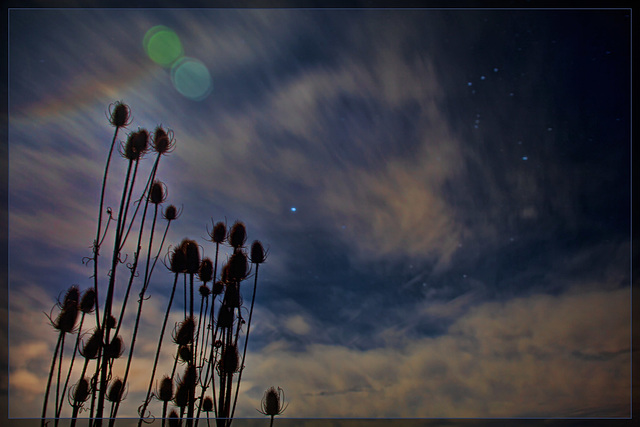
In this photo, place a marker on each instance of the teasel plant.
(211, 340)
(273, 403)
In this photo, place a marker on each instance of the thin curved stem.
(53, 364)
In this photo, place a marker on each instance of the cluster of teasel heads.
(210, 345)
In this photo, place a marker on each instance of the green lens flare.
(162, 45)
(191, 78)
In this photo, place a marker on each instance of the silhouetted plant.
(273, 403)
(207, 342)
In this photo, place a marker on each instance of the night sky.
(445, 195)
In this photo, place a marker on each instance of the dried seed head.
(207, 404)
(163, 141)
(190, 377)
(232, 295)
(71, 297)
(111, 322)
(170, 213)
(166, 389)
(205, 273)
(66, 320)
(217, 288)
(237, 235)
(229, 360)
(81, 391)
(92, 346)
(120, 115)
(237, 266)
(185, 354)
(178, 260)
(116, 391)
(225, 317)
(204, 291)
(174, 420)
(184, 332)
(88, 301)
(181, 398)
(219, 232)
(257, 252)
(115, 348)
(136, 145)
(273, 402)
(157, 193)
(224, 276)
(192, 254)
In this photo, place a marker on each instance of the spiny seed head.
(88, 301)
(190, 376)
(157, 193)
(111, 322)
(184, 333)
(225, 276)
(81, 391)
(115, 348)
(120, 114)
(181, 398)
(170, 213)
(136, 145)
(237, 266)
(178, 260)
(192, 254)
(166, 389)
(257, 252)
(219, 232)
(217, 288)
(229, 360)
(71, 297)
(163, 141)
(66, 320)
(237, 235)
(185, 354)
(92, 346)
(174, 420)
(232, 295)
(273, 402)
(204, 291)
(205, 273)
(225, 317)
(207, 404)
(116, 391)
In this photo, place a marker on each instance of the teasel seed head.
(204, 291)
(237, 266)
(185, 353)
(163, 141)
(115, 348)
(157, 193)
(237, 235)
(217, 288)
(136, 145)
(225, 316)
(111, 322)
(66, 320)
(192, 254)
(229, 360)
(170, 213)
(190, 376)
(88, 301)
(80, 392)
(166, 389)
(92, 346)
(116, 391)
(181, 399)
(257, 252)
(225, 277)
(273, 402)
(232, 295)
(219, 233)
(174, 420)
(205, 273)
(207, 404)
(178, 260)
(119, 114)
(71, 297)
(184, 331)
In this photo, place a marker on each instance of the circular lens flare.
(162, 45)
(191, 78)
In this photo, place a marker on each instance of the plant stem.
(53, 364)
